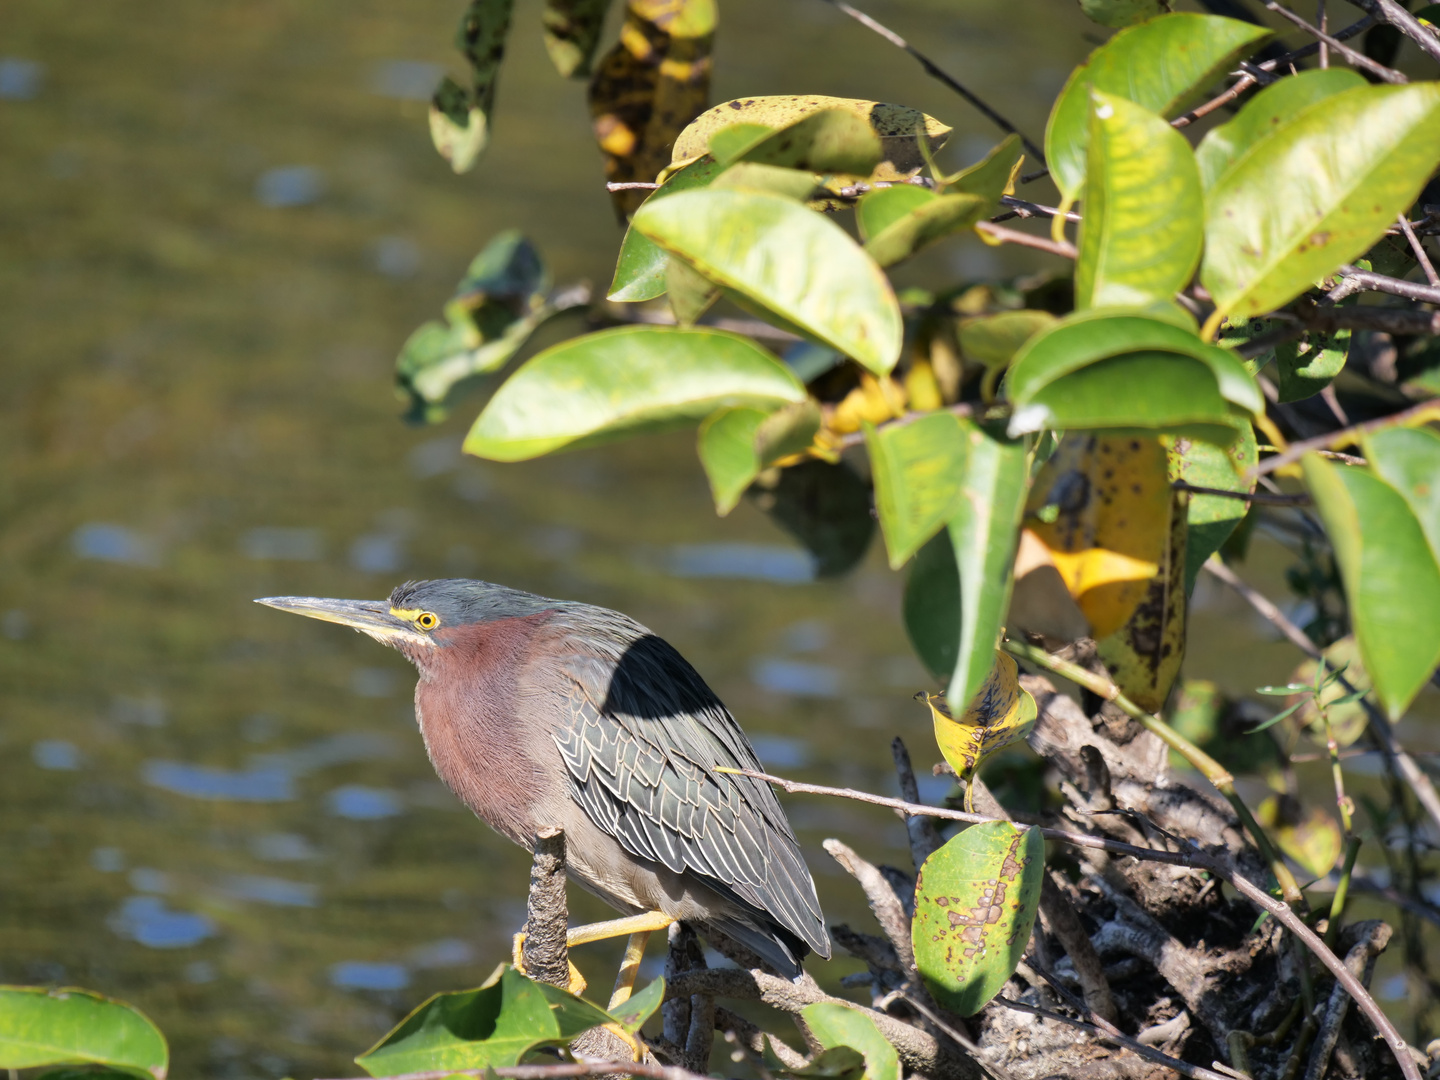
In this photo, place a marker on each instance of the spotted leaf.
(975, 904)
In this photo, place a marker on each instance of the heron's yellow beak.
(373, 617)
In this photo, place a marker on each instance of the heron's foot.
(577, 982)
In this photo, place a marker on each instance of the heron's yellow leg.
(631, 924)
(517, 957)
(629, 969)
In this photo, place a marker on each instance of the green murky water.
(217, 224)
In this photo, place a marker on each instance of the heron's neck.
(466, 703)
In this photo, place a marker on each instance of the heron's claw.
(517, 957)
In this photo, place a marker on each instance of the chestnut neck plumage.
(466, 703)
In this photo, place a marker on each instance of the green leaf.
(572, 32)
(69, 1026)
(984, 532)
(877, 210)
(836, 1025)
(1227, 144)
(834, 1063)
(640, 270)
(975, 905)
(1051, 385)
(788, 260)
(990, 177)
(1141, 235)
(727, 144)
(726, 448)
(1212, 518)
(931, 606)
(1390, 575)
(489, 1027)
(771, 179)
(993, 340)
(917, 468)
(1409, 460)
(690, 294)
(622, 381)
(930, 220)
(1160, 65)
(828, 141)
(1316, 193)
(1308, 366)
(735, 444)
(631, 1016)
(895, 125)
(1119, 13)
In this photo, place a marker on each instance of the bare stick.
(631, 185)
(1024, 208)
(1391, 12)
(889, 912)
(1416, 414)
(561, 1071)
(1419, 250)
(1065, 924)
(1406, 765)
(1184, 1068)
(1363, 280)
(1358, 59)
(936, 72)
(1390, 320)
(546, 957)
(1039, 243)
(1245, 82)
(1263, 498)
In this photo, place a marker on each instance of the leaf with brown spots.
(648, 87)
(460, 118)
(572, 31)
(975, 904)
(1144, 655)
(1102, 507)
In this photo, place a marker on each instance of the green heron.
(538, 713)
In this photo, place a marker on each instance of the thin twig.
(1400, 321)
(1040, 243)
(1024, 209)
(1263, 498)
(1419, 250)
(1416, 414)
(1419, 781)
(560, 1071)
(1358, 59)
(1372, 282)
(630, 185)
(1184, 1068)
(1391, 12)
(1245, 82)
(936, 72)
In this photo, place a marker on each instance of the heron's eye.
(428, 620)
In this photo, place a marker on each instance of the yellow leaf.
(896, 126)
(1000, 714)
(1144, 655)
(648, 87)
(1102, 505)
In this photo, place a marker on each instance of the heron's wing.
(642, 740)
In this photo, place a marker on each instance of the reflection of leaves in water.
(825, 507)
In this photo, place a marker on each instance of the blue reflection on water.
(269, 890)
(377, 553)
(797, 678)
(359, 975)
(364, 803)
(114, 543)
(267, 784)
(20, 79)
(408, 80)
(779, 752)
(754, 562)
(289, 185)
(147, 920)
(56, 754)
